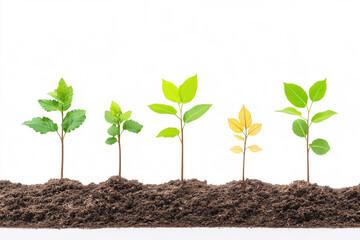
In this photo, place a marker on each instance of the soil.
(193, 203)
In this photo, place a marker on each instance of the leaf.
(163, 109)
(196, 112)
(320, 146)
(299, 128)
(125, 116)
(188, 89)
(113, 130)
(296, 95)
(171, 92)
(115, 110)
(245, 117)
(235, 125)
(109, 118)
(132, 126)
(42, 125)
(290, 110)
(169, 132)
(254, 148)
(321, 116)
(241, 138)
(254, 129)
(111, 141)
(73, 120)
(317, 91)
(50, 105)
(236, 149)
(63, 94)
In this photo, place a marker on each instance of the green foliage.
(73, 120)
(171, 92)
(320, 146)
(63, 94)
(300, 127)
(321, 116)
(50, 105)
(163, 109)
(42, 125)
(109, 118)
(169, 132)
(196, 112)
(113, 130)
(317, 91)
(111, 140)
(132, 126)
(115, 110)
(290, 110)
(296, 95)
(187, 90)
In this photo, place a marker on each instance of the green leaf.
(113, 130)
(290, 110)
(171, 92)
(125, 116)
(42, 125)
(317, 91)
(50, 105)
(296, 95)
(115, 110)
(163, 109)
(132, 126)
(63, 94)
(109, 118)
(321, 116)
(320, 146)
(188, 89)
(73, 120)
(299, 128)
(169, 132)
(196, 112)
(111, 141)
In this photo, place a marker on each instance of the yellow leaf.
(235, 125)
(245, 117)
(255, 129)
(254, 148)
(236, 149)
(241, 138)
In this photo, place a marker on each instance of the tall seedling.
(73, 119)
(117, 118)
(299, 98)
(245, 127)
(182, 95)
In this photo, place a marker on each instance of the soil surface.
(193, 203)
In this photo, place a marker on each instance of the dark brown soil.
(114, 203)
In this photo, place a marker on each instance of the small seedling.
(117, 118)
(244, 125)
(299, 98)
(182, 95)
(63, 97)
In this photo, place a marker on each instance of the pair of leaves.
(238, 149)
(184, 94)
(245, 121)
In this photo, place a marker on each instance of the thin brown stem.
(62, 147)
(119, 156)
(182, 151)
(307, 154)
(243, 170)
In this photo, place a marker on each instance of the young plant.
(182, 95)
(244, 125)
(73, 119)
(299, 98)
(116, 118)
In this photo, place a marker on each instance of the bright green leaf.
(73, 120)
(113, 130)
(321, 116)
(171, 92)
(296, 95)
(109, 118)
(290, 110)
(320, 146)
(196, 112)
(317, 91)
(63, 94)
(125, 116)
(188, 89)
(169, 132)
(163, 109)
(132, 126)
(111, 141)
(50, 105)
(115, 110)
(299, 128)
(42, 125)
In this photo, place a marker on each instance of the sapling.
(73, 119)
(182, 95)
(117, 118)
(245, 127)
(299, 98)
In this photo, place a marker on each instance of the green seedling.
(299, 98)
(73, 119)
(244, 125)
(117, 118)
(182, 95)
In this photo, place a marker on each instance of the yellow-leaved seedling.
(245, 127)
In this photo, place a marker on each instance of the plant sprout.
(117, 118)
(299, 98)
(63, 97)
(182, 95)
(244, 125)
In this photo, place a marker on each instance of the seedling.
(244, 125)
(117, 118)
(182, 95)
(299, 98)
(63, 97)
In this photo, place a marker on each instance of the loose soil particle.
(193, 203)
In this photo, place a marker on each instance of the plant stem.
(119, 157)
(307, 154)
(182, 144)
(243, 172)
(62, 147)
